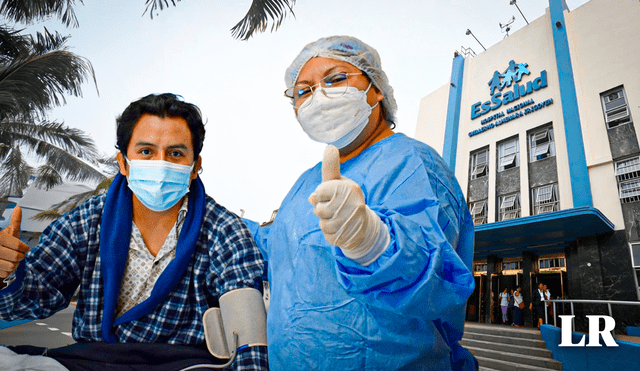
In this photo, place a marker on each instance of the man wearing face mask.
(370, 253)
(149, 257)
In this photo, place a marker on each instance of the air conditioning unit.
(615, 107)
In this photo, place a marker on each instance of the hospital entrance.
(484, 303)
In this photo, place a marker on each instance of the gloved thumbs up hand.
(12, 250)
(345, 219)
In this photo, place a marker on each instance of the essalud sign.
(500, 81)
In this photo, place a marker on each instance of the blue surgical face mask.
(159, 185)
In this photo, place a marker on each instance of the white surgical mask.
(159, 185)
(336, 120)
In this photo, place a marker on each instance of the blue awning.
(540, 233)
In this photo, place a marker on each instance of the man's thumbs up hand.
(12, 250)
(345, 219)
(14, 225)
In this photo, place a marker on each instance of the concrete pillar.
(490, 290)
(528, 266)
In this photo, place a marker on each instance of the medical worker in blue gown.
(370, 253)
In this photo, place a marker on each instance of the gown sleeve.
(260, 235)
(426, 269)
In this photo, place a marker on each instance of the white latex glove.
(345, 219)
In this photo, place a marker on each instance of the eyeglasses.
(301, 92)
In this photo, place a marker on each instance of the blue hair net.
(351, 50)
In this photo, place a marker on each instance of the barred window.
(479, 212)
(479, 163)
(545, 199)
(508, 154)
(509, 207)
(480, 267)
(512, 265)
(541, 144)
(551, 263)
(635, 254)
(628, 177)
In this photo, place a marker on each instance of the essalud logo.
(512, 74)
(511, 77)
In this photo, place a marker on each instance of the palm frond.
(47, 215)
(5, 148)
(69, 204)
(46, 42)
(36, 83)
(13, 44)
(69, 151)
(47, 177)
(257, 18)
(33, 134)
(103, 187)
(27, 12)
(73, 201)
(153, 5)
(69, 166)
(14, 174)
(109, 164)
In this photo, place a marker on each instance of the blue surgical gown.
(403, 312)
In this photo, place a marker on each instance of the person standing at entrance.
(547, 293)
(504, 304)
(538, 302)
(518, 307)
(547, 296)
(510, 307)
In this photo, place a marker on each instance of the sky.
(254, 148)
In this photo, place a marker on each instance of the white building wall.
(601, 61)
(532, 45)
(432, 118)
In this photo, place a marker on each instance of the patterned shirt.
(68, 256)
(143, 269)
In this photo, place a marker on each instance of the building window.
(509, 207)
(551, 263)
(479, 162)
(481, 267)
(616, 107)
(545, 199)
(507, 266)
(508, 154)
(635, 254)
(479, 212)
(541, 144)
(628, 176)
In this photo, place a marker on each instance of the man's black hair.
(161, 105)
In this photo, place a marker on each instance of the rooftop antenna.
(513, 2)
(474, 36)
(467, 52)
(507, 26)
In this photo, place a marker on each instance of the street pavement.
(52, 332)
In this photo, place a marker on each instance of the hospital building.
(540, 132)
